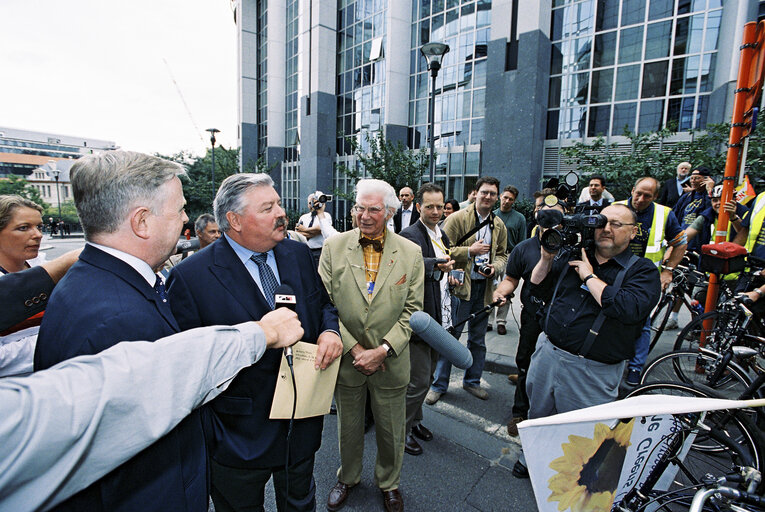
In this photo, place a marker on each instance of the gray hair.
(380, 188)
(231, 192)
(202, 221)
(107, 185)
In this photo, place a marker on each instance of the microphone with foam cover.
(440, 340)
(284, 297)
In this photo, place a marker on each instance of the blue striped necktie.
(268, 281)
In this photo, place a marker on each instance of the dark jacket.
(418, 234)
(213, 287)
(397, 218)
(668, 195)
(100, 302)
(24, 295)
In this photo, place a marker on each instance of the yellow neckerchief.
(372, 262)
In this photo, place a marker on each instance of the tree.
(18, 185)
(384, 160)
(652, 155)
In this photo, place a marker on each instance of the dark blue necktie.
(268, 281)
(159, 287)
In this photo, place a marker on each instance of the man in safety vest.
(751, 234)
(656, 224)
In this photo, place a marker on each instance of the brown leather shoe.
(411, 446)
(512, 425)
(338, 495)
(393, 501)
(501, 329)
(513, 378)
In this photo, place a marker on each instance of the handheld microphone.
(186, 246)
(440, 340)
(284, 297)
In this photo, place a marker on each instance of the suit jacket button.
(28, 303)
(36, 300)
(43, 296)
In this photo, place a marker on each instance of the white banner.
(587, 460)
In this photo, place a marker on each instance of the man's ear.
(233, 221)
(634, 232)
(139, 221)
(418, 207)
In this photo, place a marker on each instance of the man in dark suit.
(407, 215)
(437, 303)
(673, 187)
(131, 207)
(233, 281)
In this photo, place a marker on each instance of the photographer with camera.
(479, 247)
(309, 224)
(521, 263)
(598, 308)
(656, 224)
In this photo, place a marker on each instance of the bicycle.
(723, 442)
(717, 491)
(685, 279)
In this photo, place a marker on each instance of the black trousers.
(235, 489)
(527, 342)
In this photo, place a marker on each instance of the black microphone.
(284, 297)
(187, 245)
(439, 339)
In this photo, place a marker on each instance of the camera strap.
(598, 323)
(475, 229)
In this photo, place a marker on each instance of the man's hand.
(478, 248)
(58, 267)
(446, 267)
(666, 278)
(499, 296)
(730, 207)
(369, 361)
(583, 267)
(330, 347)
(491, 266)
(754, 296)
(281, 327)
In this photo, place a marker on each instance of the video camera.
(578, 230)
(320, 199)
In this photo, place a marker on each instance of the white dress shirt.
(65, 427)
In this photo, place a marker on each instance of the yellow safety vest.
(654, 249)
(755, 224)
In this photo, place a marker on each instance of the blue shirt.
(245, 254)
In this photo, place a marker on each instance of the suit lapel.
(387, 261)
(116, 266)
(232, 274)
(355, 257)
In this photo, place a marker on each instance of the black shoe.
(489, 327)
(333, 409)
(411, 446)
(422, 432)
(520, 471)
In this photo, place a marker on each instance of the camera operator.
(598, 309)
(522, 261)
(309, 225)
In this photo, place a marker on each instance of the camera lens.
(552, 240)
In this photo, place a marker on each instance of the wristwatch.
(759, 292)
(388, 349)
(588, 278)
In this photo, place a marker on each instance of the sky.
(95, 69)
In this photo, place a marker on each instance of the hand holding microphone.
(284, 297)
(281, 327)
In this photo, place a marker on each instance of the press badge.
(370, 287)
(584, 287)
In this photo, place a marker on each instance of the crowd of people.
(96, 418)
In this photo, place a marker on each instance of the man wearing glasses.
(480, 248)
(592, 322)
(375, 278)
(655, 225)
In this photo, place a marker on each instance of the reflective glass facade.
(291, 115)
(461, 82)
(262, 87)
(360, 87)
(637, 65)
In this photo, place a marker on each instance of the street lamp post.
(56, 174)
(213, 131)
(434, 53)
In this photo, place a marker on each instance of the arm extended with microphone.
(284, 297)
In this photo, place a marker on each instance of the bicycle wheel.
(694, 367)
(720, 330)
(659, 319)
(707, 454)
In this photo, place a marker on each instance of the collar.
(244, 253)
(596, 203)
(433, 233)
(410, 209)
(622, 258)
(136, 263)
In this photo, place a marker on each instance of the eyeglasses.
(372, 210)
(615, 224)
(487, 193)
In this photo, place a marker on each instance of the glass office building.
(521, 80)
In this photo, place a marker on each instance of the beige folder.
(314, 387)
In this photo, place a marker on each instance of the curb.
(499, 363)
